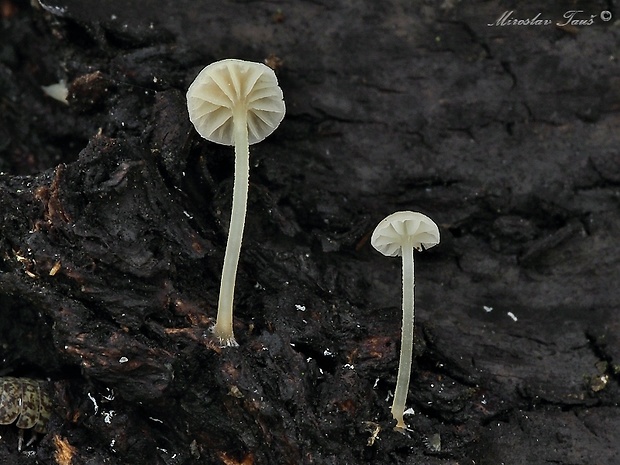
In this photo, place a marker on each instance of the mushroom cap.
(401, 227)
(231, 85)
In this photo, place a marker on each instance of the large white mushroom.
(398, 235)
(234, 102)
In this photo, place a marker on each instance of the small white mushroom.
(398, 235)
(58, 91)
(234, 102)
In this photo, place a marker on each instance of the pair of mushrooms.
(235, 102)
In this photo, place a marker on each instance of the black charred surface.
(114, 216)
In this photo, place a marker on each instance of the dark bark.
(114, 215)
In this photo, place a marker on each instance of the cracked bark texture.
(115, 214)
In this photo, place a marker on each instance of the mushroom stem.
(223, 328)
(406, 342)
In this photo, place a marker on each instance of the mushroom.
(399, 234)
(234, 102)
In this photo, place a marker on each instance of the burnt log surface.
(114, 215)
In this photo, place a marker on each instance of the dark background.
(507, 136)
